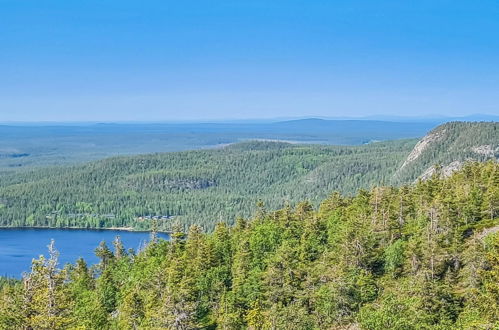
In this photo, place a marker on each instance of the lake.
(18, 246)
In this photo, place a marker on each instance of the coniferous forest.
(204, 187)
(193, 187)
(419, 256)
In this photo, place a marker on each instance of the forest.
(417, 256)
(208, 186)
(192, 187)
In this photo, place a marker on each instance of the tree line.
(194, 187)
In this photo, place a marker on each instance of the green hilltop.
(202, 186)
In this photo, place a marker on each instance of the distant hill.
(201, 186)
(436, 120)
(450, 145)
(212, 185)
(47, 145)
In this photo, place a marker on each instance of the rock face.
(486, 150)
(450, 146)
(445, 171)
(422, 145)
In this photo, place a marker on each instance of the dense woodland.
(422, 256)
(208, 186)
(194, 187)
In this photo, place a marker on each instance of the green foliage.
(205, 187)
(194, 187)
(413, 257)
(394, 257)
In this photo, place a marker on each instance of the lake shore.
(127, 229)
(21, 245)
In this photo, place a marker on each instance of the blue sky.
(111, 60)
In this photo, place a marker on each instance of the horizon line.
(385, 118)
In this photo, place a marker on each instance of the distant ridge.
(436, 119)
(433, 119)
(70, 143)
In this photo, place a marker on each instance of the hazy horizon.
(183, 61)
(388, 118)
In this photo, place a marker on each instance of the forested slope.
(203, 186)
(450, 145)
(207, 186)
(423, 256)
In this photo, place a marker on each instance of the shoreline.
(128, 229)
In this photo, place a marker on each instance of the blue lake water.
(20, 245)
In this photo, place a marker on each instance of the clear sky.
(110, 60)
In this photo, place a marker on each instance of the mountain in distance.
(436, 120)
(433, 119)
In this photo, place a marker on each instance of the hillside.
(207, 186)
(422, 256)
(203, 186)
(450, 145)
